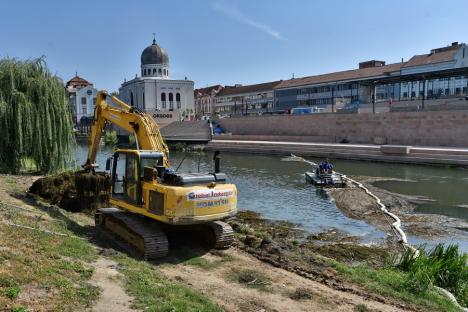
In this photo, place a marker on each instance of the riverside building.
(245, 100)
(440, 74)
(205, 100)
(81, 99)
(166, 99)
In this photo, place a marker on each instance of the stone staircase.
(187, 131)
(418, 155)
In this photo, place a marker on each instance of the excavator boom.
(140, 124)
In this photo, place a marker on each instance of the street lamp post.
(263, 96)
(424, 91)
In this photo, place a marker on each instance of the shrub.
(110, 138)
(12, 292)
(446, 267)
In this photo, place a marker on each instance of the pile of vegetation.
(35, 122)
(74, 191)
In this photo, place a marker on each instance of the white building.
(81, 98)
(166, 99)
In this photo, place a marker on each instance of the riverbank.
(441, 156)
(293, 270)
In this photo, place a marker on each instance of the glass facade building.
(441, 74)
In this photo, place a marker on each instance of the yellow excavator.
(147, 196)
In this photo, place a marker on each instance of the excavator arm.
(142, 125)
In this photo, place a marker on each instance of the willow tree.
(35, 123)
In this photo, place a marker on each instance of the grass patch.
(12, 292)
(301, 294)
(153, 292)
(189, 257)
(250, 279)
(361, 308)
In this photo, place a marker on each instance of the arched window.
(131, 98)
(167, 72)
(160, 72)
(154, 71)
(142, 71)
(177, 98)
(164, 72)
(163, 100)
(171, 101)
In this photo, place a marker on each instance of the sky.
(225, 42)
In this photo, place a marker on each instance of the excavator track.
(223, 235)
(147, 238)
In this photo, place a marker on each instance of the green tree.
(35, 122)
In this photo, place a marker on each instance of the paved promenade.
(385, 153)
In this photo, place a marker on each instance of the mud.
(285, 246)
(74, 191)
(356, 204)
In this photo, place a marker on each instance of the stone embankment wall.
(432, 128)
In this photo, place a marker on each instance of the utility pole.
(333, 99)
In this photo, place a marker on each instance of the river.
(278, 191)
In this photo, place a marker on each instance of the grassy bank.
(41, 271)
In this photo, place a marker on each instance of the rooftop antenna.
(76, 73)
(292, 75)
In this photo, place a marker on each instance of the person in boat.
(325, 167)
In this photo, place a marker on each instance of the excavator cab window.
(118, 174)
(125, 177)
(132, 178)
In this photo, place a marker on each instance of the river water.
(278, 191)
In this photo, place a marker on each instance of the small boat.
(325, 178)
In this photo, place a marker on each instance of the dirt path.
(218, 284)
(113, 297)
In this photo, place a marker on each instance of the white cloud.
(241, 18)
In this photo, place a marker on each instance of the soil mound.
(74, 191)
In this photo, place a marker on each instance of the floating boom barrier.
(396, 225)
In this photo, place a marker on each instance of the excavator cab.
(129, 169)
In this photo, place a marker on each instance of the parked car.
(306, 110)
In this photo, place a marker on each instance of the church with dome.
(166, 99)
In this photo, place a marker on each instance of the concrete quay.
(426, 155)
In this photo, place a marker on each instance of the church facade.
(166, 99)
